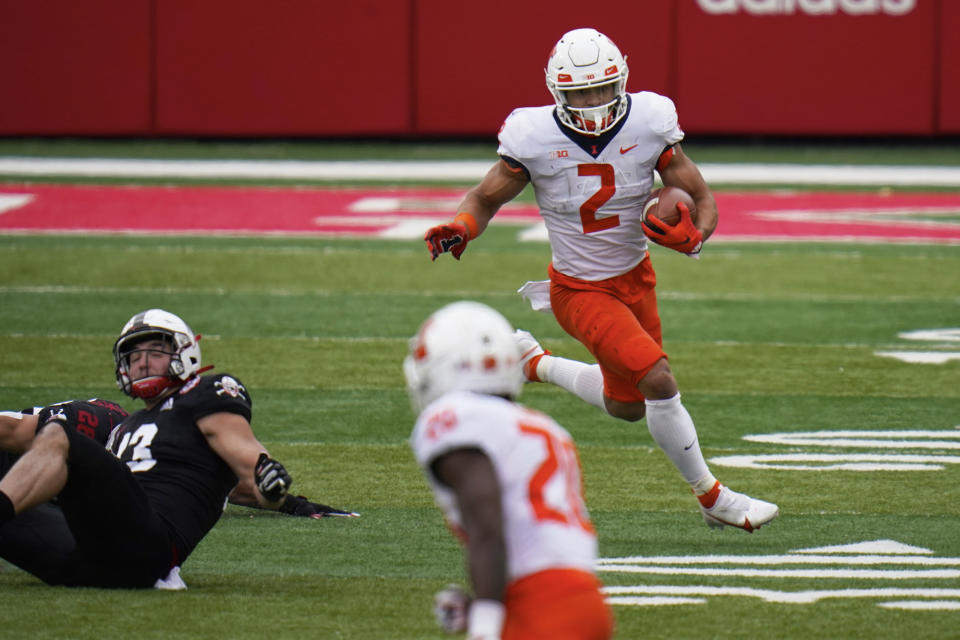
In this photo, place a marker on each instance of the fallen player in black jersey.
(131, 513)
(96, 418)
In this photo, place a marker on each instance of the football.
(663, 204)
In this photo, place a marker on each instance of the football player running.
(133, 512)
(591, 158)
(508, 481)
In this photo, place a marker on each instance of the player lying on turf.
(95, 418)
(130, 514)
(591, 158)
(508, 481)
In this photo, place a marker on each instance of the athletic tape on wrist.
(485, 619)
(469, 222)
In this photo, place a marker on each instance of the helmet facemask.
(593, 120)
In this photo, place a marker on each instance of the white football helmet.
(182, 344)
(464, 346)
(585, 58)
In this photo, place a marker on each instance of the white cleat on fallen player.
(530, 351)
(739, 510)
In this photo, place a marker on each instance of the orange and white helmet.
(464, 346)
(585, 58)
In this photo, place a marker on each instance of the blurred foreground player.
(591, 158)
(135, 511)
(508, 481)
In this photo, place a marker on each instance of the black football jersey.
(186, 482)
(93, 418)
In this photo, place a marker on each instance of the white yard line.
(621, 595)
(71, 289)
(466, 170)
(873, 552)
(848, 574)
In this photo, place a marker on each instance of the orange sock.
(532, 367)
(709, 498)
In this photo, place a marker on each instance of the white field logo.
(884, 561)
(943, 340)
(808, 7)
(919, 451)
(902, 450)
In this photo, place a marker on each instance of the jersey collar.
(594, 145)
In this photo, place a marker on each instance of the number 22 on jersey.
(560, 460)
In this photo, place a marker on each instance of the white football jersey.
(592, 205)
(545, 520)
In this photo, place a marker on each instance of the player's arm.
(261, 480)
(680, 171)
(293, 505)
(16, 431)
(502, 184)
(471, 476)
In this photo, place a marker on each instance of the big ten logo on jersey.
(809, 7)
(440, 423)
(559, 153)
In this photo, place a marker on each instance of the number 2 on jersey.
(561, 458)
(588, 210)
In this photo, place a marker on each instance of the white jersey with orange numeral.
(545, 521)
(592, 202)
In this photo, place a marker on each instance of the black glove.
(300, 506)
(271, 478)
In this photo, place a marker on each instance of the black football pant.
(102, 531)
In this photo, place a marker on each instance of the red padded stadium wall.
(796, 72)
(288, 68)
(949, 106)
(75, 67)
(435, 68)
(477, 61)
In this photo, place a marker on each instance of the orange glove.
(452, 236)
(682, 237)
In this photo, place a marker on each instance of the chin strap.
(151, 387)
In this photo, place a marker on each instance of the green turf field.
(865, 152)
(763, 339)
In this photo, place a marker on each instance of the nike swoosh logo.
(622, 150)
(687, 448)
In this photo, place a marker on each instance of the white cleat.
(530, 351)
(739, 510)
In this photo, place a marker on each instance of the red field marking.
(873, 217)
